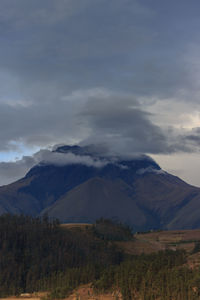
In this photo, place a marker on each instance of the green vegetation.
(196, 247)
(155, 276)
(40, 255)
(112, 230)
(36, 254)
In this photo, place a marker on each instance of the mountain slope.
(166, 196)
(14, 201)
(95, 198)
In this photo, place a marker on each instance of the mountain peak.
(81, 183)
(98, 153)
(90, 150)
(91, 157)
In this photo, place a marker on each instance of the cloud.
(151, 170)
(116, 121)
(191, 139)
(52, 48)
(12, 171)
(121, 123)
(91, 116)
(60, 46)
(61, 155)
(44, 157)
(110, 147)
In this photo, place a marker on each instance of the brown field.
(162, 240)
(16, 298)
(176, 239)
(155, 241)
(27, 296)
(76, 225)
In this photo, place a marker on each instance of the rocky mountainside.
(78, 184)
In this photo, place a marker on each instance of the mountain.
(79, 184)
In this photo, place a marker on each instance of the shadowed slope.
(95, 198)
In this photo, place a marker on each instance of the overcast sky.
(120, 73)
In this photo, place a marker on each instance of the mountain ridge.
(134, 190)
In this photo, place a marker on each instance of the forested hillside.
(35, 254)
(40, 255)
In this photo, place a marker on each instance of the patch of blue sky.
(8, 156)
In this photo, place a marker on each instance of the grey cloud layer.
(95, 116)
(11, 171)
(121, 124)
(61, 159)
(52, 47)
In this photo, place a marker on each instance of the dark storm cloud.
(126, 128)
(121, 124)
(193, 137)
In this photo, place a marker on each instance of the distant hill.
(135, 191)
